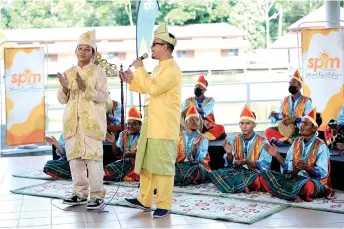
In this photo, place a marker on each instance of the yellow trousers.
(163, 184)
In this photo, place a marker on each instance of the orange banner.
(323, 68)
(25, 100)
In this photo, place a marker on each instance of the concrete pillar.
(332, 13)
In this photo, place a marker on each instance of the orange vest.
(298, 149)
(239, 148)
(181, 156)
(300, 107)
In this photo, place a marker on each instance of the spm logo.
(323, 61)
(26, 77)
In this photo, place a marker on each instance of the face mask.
(198, 92)
(292, 89)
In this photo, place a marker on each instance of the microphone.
(144, 56)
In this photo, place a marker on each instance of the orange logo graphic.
(323, 61)
(26, 77)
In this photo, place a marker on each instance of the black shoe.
(136, 204)
(74, 200)
(159, 213)
(95, 204)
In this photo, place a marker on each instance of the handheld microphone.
(144, 56)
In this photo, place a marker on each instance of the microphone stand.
(122, 100)
(140, 102)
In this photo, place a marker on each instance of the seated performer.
(306, 169)
(291, 111)
(334, 133)
(192, 164)
(205, 106)
(245, 158)
(125, 148)
(58, 168)
(113, 112)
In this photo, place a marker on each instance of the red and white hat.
(246, 114)
(134, 114)
(297, 76)
(192, 112)
(201, 81)
(312, 116)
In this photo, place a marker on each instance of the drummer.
(113, 112)
(293, 108)
(205, 107)
(334, 133)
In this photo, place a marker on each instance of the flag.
(145, 21)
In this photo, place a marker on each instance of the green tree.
(244, 16)
(263, 20)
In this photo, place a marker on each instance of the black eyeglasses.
(156, 43)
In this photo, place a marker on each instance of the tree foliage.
(257, 17)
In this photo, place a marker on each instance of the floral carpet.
(211, 207)
(336, 204)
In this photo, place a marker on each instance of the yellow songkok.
(162, 33)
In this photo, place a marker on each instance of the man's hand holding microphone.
(128, 76)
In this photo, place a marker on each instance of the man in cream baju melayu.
(84, 91)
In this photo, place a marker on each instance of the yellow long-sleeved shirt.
(163, 88)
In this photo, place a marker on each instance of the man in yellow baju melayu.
(157, 147)
(84, 91)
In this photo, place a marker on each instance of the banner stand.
(44, 79)
(318, 68)
(298, 40)
(146, 12)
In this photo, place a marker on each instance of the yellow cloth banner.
(322, 68)
(25, 100)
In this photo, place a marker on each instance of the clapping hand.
(80, 82)
(302, 165)
(197, 142)
(110, 137)
(227, 147)
(52, 140)
(240, 162)
(271, 149)
(63, 80)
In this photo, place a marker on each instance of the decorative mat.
(334, 205)
(35, 174)
(210, 207)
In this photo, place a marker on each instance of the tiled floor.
(18, 211)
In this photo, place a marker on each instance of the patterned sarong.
(187, 173)
(284, 187)
(57, 169)
(119, 169)
(233, 180)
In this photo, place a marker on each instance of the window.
(185, 53)
(52, 57)
(115, 40)
(233, 52)
(182, 53)
(117, 55)
(112, 55)
(48, 42)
